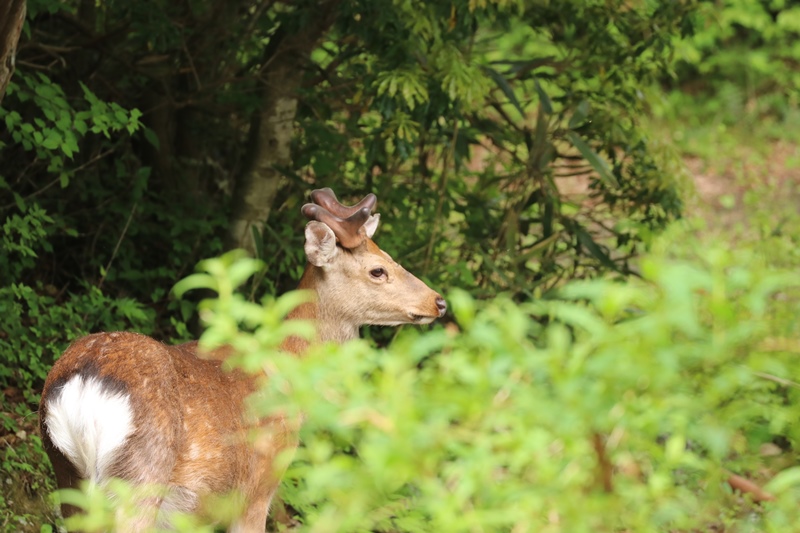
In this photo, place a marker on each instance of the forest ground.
(770, 170)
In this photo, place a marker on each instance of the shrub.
(615, 407)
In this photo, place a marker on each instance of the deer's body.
(125, 405)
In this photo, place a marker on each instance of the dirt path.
(726, 188)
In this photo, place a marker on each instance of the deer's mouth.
(421, 319)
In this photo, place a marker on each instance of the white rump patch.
(88, 423)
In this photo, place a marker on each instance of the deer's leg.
(66, 475)
(254, 518)
(147, 462)
(265, 482)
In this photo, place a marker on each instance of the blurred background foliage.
(737, 69)
(527, 157)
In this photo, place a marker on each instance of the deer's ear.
(371, 224)
(320, 244)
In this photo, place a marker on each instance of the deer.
(124, 405)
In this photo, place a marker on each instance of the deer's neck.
(325, 312)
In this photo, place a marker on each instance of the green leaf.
(20, 201)
(242, 269)
(576, 315)
(88, 94)
(70, 144)
(789, 19)
(502, 83)
(194, 281)
(46, 91)
(290, 300)
(593, 248)
(258, 240)
(598, 164)
(187, 309)
(151, 137)
(580, 115)
(52, 141)
(784, 481)
(547, 105)
(81, 127)
(463, 306)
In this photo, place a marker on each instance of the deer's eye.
(378, 272)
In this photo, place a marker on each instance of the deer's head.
(357, 282)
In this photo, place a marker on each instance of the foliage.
(507, 146)
(33, 326)
(735, 66)
(24, 470)
(496, 427)
(151, 130)
(108, 193)
(535, 112)
(34, 311)
(43, 305)
(624, 409)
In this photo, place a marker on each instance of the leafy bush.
(479, 117)
(42, 307)
(34, 331)
(621, 413)
(615, 407)
(25, 501)
(523, 141)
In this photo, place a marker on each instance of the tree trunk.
(272, 129)
(12, 17)
(271, 148)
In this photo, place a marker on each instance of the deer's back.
(126, 405)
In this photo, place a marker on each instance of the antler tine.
(327, 199)
(347, 230)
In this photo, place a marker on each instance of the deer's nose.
(441, 305)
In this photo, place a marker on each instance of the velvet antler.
(345, 221)
(327, 198)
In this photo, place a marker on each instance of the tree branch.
(12, 17)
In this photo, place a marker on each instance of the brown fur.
(188, 414)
